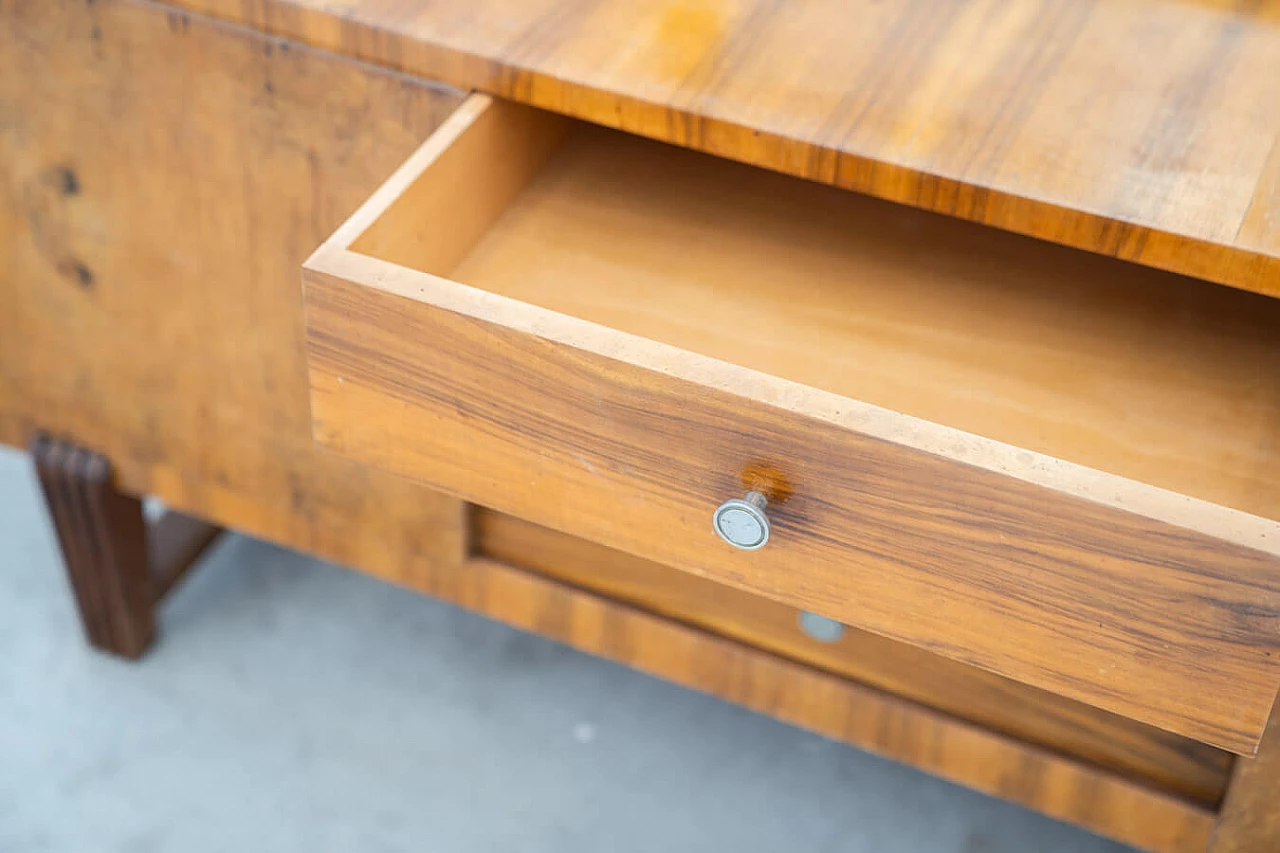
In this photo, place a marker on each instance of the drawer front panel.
(1157, 622)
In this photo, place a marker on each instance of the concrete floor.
(295, 706)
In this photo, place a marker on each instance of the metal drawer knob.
(742, 523)
(820, 628)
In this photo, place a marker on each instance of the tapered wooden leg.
(1250, 821)
(104, 546)
(118, 567)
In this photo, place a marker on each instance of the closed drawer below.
(1160, 760)
(1042, 463)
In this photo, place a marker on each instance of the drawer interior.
(1148, 375)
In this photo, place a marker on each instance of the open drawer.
(1052, 465)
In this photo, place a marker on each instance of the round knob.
(820, 628)
(742, 523)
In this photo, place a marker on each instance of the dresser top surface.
(1144, 129)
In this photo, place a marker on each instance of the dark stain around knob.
(767, 479)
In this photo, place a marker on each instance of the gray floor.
(296, 706)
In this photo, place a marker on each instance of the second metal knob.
(820, 628)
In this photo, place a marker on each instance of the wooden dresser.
(907, 371)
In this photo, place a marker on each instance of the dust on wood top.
(1144, 129)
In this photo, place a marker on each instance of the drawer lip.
(336, 265)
